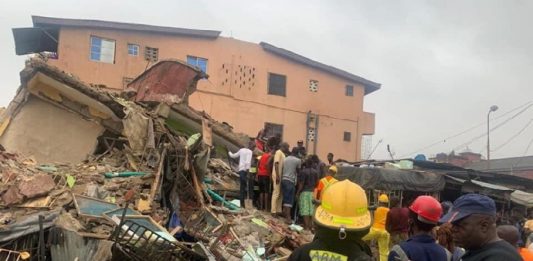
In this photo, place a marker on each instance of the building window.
(277, 84)
(133, 49)
(102, 50)
(349, 90)
(347, 136)
(313, 85)
(151, 54)
(198, 62)
(273, 129)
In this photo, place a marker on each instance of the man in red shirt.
(397, 222)
(263, 178)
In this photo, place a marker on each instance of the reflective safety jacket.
(322, 184)
(332, 250)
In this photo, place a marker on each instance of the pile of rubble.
(143, 160)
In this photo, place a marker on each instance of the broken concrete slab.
(34, 131)
(12, 196)
(38, 185)
(51, 99)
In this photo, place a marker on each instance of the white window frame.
(136, 49)
(106, 51)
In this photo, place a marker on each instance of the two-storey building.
(250, 86)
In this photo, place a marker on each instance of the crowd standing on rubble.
(344, 227)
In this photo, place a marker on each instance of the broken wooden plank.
(155, 185)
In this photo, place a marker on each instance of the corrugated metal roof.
(490, 186)
(370, 86)
(480, 183)
(41, 21)
(505, 164)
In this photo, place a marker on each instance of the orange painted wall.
(229, 95)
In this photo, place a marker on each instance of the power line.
(525, 153)
(514, 136)
(466, 131)
(370, 155)
(493, 128)
(528, 146)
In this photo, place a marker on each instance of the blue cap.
(469, 204)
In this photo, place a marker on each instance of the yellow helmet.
(383, 198)
(343, 206)
(333, 169)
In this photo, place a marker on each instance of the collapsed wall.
(105, 169)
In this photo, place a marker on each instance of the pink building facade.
(250, 85)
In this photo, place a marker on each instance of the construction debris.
(126, 168)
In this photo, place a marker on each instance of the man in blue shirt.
(473, 219)
(424, 215)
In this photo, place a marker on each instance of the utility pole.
(491, 109)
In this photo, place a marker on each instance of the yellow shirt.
(279, 157)
(380, 218)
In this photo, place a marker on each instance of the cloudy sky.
(442, 64)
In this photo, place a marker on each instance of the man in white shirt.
(245, 161)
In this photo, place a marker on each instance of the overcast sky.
(441, 64)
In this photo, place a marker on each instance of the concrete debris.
(37, 185)
(12, 196)
(140, 173)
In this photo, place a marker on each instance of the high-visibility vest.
(325, 183)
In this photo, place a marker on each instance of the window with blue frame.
(198, 62)
(102, 50)
(133, 49)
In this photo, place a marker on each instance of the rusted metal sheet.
(169, 81)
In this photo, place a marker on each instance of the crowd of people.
(285, 178)
(344, 225)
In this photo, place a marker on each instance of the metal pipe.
(42, 252)
(316, 133)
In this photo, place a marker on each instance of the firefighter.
(341, 221)
(378, 231)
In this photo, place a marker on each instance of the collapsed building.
(93, 175)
